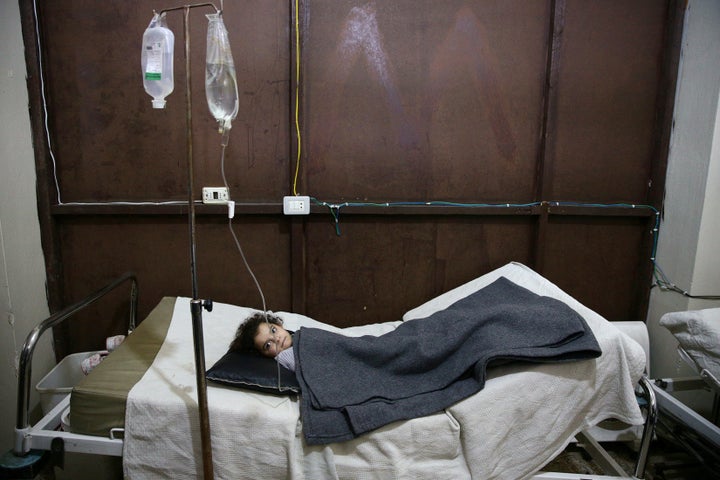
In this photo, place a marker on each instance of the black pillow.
(253, 372)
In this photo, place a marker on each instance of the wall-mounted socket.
(296, 205)
(215, 195)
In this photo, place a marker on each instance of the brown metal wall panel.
(378, 268)
(98, 249)
(596, 261)
(610, 71)
(470, 101)
(424, 100)
(110, 144)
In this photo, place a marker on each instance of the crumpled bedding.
(352, 385)
(698, 333)
(523, 417)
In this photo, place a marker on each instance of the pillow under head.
(253, 372)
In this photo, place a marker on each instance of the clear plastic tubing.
(157, 60)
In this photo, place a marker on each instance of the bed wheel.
(32, 465)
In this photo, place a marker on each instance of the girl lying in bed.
(420, 367)
(264, 333)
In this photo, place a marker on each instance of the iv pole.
(196, 305)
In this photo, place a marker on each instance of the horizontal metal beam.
(359, 208)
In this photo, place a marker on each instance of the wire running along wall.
(438, 129)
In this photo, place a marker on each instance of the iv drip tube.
(196, 305)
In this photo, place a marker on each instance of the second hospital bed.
(524, 416)
(698, 335)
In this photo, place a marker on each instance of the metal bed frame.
(603, 459)
(706, 380)
(46, 435)
(698, 435)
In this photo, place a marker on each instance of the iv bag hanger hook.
(188, 7)
(196, 305)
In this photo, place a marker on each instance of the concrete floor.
(667, 460)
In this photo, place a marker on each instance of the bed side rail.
(25, 365)
(649, 429)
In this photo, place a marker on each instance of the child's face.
(271, 339)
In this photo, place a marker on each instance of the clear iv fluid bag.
(221, 91)
(156, 60)
(220, 80)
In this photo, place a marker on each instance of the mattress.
(97, 403)
(524, 417)
(698, 334)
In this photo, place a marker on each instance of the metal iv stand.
(196, 305)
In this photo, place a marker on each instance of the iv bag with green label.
(220, 81)
(156, 60)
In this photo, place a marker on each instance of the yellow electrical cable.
(297, 93)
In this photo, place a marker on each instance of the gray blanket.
(352, 385)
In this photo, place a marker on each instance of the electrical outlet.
(296, 205)
(215, 195)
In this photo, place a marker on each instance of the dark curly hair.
(244, 340)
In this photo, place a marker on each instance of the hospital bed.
(140, 403)
(698, 336)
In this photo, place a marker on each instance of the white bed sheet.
(524, 416)
(527, 414)
(698, 333)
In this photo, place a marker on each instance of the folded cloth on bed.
(351, 386)
(698, 333)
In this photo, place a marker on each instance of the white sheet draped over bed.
(524, 416)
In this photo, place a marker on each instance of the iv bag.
(220, 82)
(156, 60)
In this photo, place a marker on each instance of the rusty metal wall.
(466, 101)
(109, 142)
(417, 100)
